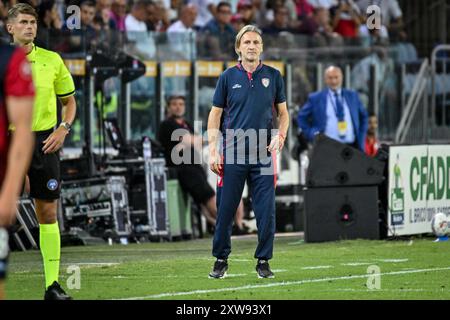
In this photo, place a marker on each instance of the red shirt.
(16, 81)
(347, 28)
(303, 8)
(371, 146)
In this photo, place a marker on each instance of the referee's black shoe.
(219, 270)
(55, 292)
(263, 269)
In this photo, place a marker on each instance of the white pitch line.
(381, 290)
(393, 260)
(317, 267)
(108, 264)
(279, 284)
(87, 264)
(241, 260)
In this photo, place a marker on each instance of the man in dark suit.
(336, 112)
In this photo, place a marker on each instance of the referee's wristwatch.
(66, 125)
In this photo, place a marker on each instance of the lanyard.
(335, 106)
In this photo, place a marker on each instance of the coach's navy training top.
(249, 99)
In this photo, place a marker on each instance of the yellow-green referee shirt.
(51, 79)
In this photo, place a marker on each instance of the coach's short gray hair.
(244, 30)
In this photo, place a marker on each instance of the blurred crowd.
(327, 21)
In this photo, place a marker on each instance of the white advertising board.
(419, 187)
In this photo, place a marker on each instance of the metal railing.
(413, 126)
(434, 58)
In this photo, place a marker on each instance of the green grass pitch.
(415, 269)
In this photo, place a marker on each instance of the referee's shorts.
(44, 171)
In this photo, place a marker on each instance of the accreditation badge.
(342, 128)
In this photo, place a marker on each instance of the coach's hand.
(215, 163)
(7, 210)
(276, 144)
(55, 141)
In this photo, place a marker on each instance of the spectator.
(206, 11)
(141, 43)
(373, 36)
(220, 33)
(118, 13)
(135, 20)
(103, 20)
(385, 79)
(316, 23)
(335, 112)
(280, 22)
(246, 9)
(188, 15)
(48, 17)
(361, 75)
(347, 19)
(82, 39)
(303, 9)
(319, 27)
(172, 7)
(222, 21)
(48, 20)
(102, 4)
(157, 17)
(326, 4)
(87, 15)
(180, 33)
(273, 4)
(372, 144)
(237, 21)
(260, 12)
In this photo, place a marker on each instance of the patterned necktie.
(339, 107)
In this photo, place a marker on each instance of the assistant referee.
(52, 79)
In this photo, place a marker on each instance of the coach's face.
(251, 46)
(333, 78)
(23, 28)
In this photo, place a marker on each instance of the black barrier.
(334, 164)
(348, 180)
